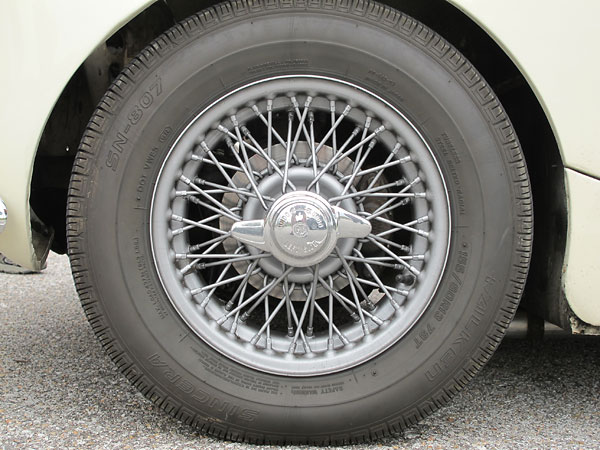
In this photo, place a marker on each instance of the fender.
(44, 42)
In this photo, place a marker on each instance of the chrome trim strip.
(3, 216)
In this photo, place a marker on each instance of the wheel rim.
(308, 299)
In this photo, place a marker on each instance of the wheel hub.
(271, 187)
(301, 229)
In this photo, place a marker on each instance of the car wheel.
(299, 222)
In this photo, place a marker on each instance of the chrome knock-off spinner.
(301, 229)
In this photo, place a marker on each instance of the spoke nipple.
(292, 348)
(254, 340)
(366, 330)
(180, 256)
(221, 320)
(229, 143)
(290, 116)
(347, 110)
(329, 344)
(233, 327)
(200, 266)
(311, 117)
(309, 332)
(269, 104)
(204, 147)
(368, 122)
(294, 101)
(176, 218)
(355, 317)
(256, 110)
(344, 340)
(234, 120)
(222, 129)
(396, 148)
(405, 159)
(308, 101)
(204, 303)
(380, 129)
(269, 344)
(355, 132)
(369, 306)
(377, 320)
(244, 316)
(193, 199)
(245, 131)
(185, 179)
(332, 106)
(420, 195)
(290, 331)
(229, 305)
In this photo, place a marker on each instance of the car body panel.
(582, 263)
(546, 40)
(45, 41)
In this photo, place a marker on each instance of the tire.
(153, 306)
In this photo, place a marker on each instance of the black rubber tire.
(368, 44)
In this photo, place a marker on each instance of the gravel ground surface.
(59, 390)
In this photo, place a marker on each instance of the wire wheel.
(300, 225)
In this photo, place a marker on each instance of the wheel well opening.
(65, 126)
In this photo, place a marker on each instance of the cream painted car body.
(45, 41)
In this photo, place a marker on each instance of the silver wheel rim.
(252, 149)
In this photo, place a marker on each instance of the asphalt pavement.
(59, 390)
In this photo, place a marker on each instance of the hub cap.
(301, 229)
(300, 225)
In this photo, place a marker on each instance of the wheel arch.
(543, 293)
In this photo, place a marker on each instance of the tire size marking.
(135, 115)
(424, 334)
(151, 292)
(455, 284)
(225, 408)
(445, 145)
(453, 288)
